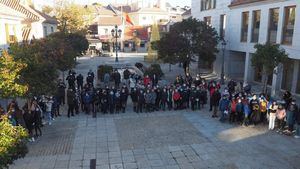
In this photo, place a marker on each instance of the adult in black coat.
(141, 101)
(61, 92)
(154, 80)
(134, 98)
(79, 80)
(117, 79)
(215, 99)
(164, 98)
(111, 101)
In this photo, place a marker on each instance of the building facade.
(244, 23)
(20, 22)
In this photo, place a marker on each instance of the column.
(247, 68)
(277, 78)
(295, 76)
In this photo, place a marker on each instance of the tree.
(269, 56)
(188, 39)
(71, 17)
(152, 53)
(47, 9)
(10, 70)
(40, 74)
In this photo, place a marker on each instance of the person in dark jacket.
(123, 97)
(170, 98)
(215, 98)
(255, 111)
(287, 97)
(134, 99)
(28, 119)
(61, 87)
(193, 98)
(164, 98)
(79, 80)
(154, 80)
(239, 110)
(117, 78)
(111, 101)
(158, 98)
(71, 80)
(291, 114)
(224, 107)
(297, 118)
(141, 101)
(126, 75)
(104, 102)
(71, 102)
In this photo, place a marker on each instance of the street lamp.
(223, 60)
(116, 33)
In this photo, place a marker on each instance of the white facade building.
(21, 22)
(244, 23)
(149, 16)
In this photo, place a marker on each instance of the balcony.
(243, 2)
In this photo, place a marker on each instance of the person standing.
(123, 97)
(36, 114)
(280, 115)
(61, 87)
(291, 116)
(224, 108)
(255, 111)
(272, 116)
(117, 78)
(71, 80)
(297, 118)
(134, 98)
(141, 101)
(106, 79)
(71, 102)
(126, 75)
(214, 101)
(111, 101)
(154, 80)
(48, 103)
(79, 80)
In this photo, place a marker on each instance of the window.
(287, 75)
(208, 4)
(245, 22)
(255, 26)
(52, 30)
(45, 31)
(207, 20)
(10, 31)
(288, 28)
(273, 25)
(222, 26)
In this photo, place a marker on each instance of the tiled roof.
(243, 2)
(15, 4)
(48, 19)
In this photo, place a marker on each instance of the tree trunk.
(265, 83)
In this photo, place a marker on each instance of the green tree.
(10, 70)
(47, 9)
(40, 74)
(269, 56)
(189, 39)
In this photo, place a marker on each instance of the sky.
(172, 2)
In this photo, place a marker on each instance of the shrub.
(102, 69)
(139, 65)
(154, 69)
(12, 142)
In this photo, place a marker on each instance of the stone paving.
(160, 140)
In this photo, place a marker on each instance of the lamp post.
(223, 60)
(116, 33)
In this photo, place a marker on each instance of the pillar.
(295, 76)
(277, 78)
(247, 68)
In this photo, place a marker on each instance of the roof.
(48, 19)
(109, 21)
(243, 2)
(187, 12)
(124, 8)
(141, 32)
(151, 10)
(104, 11)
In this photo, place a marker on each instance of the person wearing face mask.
(272, 116)
(111, 101)
(134, 99)
(263, 106)
(141, 101)
(290, 118)
(104, 101)
(164, 98)
(123, 97)
(239, 110)
(148, 97)
(193, 98)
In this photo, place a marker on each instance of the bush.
(102, 69)
(12, 142)
(154, 69)
(139, 65)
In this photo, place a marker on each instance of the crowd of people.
(234, 103)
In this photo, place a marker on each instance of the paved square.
(154, 132)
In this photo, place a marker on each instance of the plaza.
(181, 139)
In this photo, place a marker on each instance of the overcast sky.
(172, 2)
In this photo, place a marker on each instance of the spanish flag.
(128, 19)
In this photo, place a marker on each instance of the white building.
(243, 23)
(149, 16)
(20, 22)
